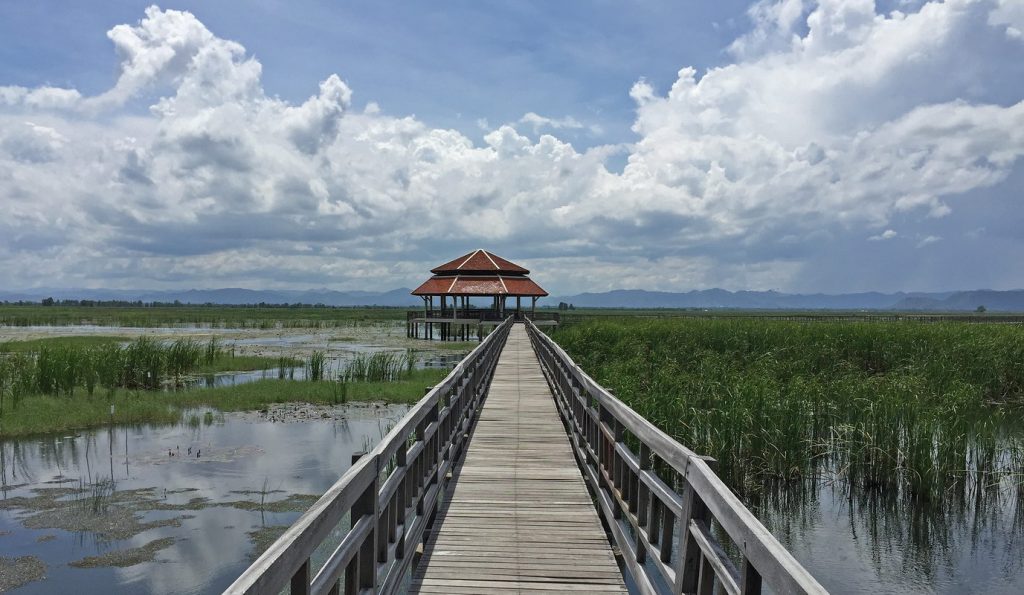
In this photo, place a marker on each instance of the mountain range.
(992, 300)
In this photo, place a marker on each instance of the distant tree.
(981, 309)
(563, 306)
(48, 301)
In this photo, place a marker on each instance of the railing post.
(751, 579)
(643, 498)
(401, 498)
(362, 570)
(300, 580)
(688, 565)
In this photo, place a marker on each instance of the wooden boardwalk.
(520, 519)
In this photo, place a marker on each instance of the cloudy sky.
(838, 145)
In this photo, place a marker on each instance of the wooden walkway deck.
(520, 519)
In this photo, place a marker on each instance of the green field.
(901, 407)
(212, 316)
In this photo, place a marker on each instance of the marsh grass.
(58, 368)
(316, 366)
(916, 410)
(382, 366)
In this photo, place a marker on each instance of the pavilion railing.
(481, 314)
(390, 495)
(659, 499)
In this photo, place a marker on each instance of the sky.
(801, 146)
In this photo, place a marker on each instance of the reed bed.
(921, 411)
(58, 369)
(382, 366)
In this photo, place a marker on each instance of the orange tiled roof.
(480, 261)
(480, 285)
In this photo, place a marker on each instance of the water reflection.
(201, 485)
(855, 540)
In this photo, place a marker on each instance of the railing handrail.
(382, 536)
(631, 492)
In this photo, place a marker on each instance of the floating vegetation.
(263, 538)
(126, 557)
(17, 572)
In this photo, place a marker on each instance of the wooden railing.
(389, 495)
(660, 500)
(480, 314)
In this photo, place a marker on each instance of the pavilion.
(479, 274)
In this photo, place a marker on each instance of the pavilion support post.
(533, 307)
(519, 308)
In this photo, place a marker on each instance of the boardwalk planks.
(520, 518)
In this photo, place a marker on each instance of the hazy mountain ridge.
(1001, 301)
(1012, 301)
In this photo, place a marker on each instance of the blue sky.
(799, 145)
(450, 66)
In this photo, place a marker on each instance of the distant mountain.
(995, 301)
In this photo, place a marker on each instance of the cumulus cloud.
(832, 121)
(537, 122)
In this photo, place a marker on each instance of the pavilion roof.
(480, 261)
(480, 285)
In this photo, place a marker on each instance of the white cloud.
(885, 235)
(833, 120)
(537, 122)
(1010, 14)
(928, 240)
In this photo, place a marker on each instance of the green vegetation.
(918, 410)
(59, 366)
(382, 366)
(41, 413)
(50, 385)
(82, 342)
(262, 317)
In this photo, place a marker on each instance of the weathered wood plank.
(519, 518)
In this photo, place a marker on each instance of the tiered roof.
(479, 261)
(480, 273)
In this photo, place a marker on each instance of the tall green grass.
(902, 408)
(59, 369)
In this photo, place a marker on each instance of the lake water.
(194, 492)
(971, 542)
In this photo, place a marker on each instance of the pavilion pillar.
(519, 308)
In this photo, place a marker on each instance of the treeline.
(176, 304)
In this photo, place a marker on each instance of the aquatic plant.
(901, 408)
(382, 366)
(316, 366)
(53, 367)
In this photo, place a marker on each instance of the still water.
(972, 541)
(190, 501)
